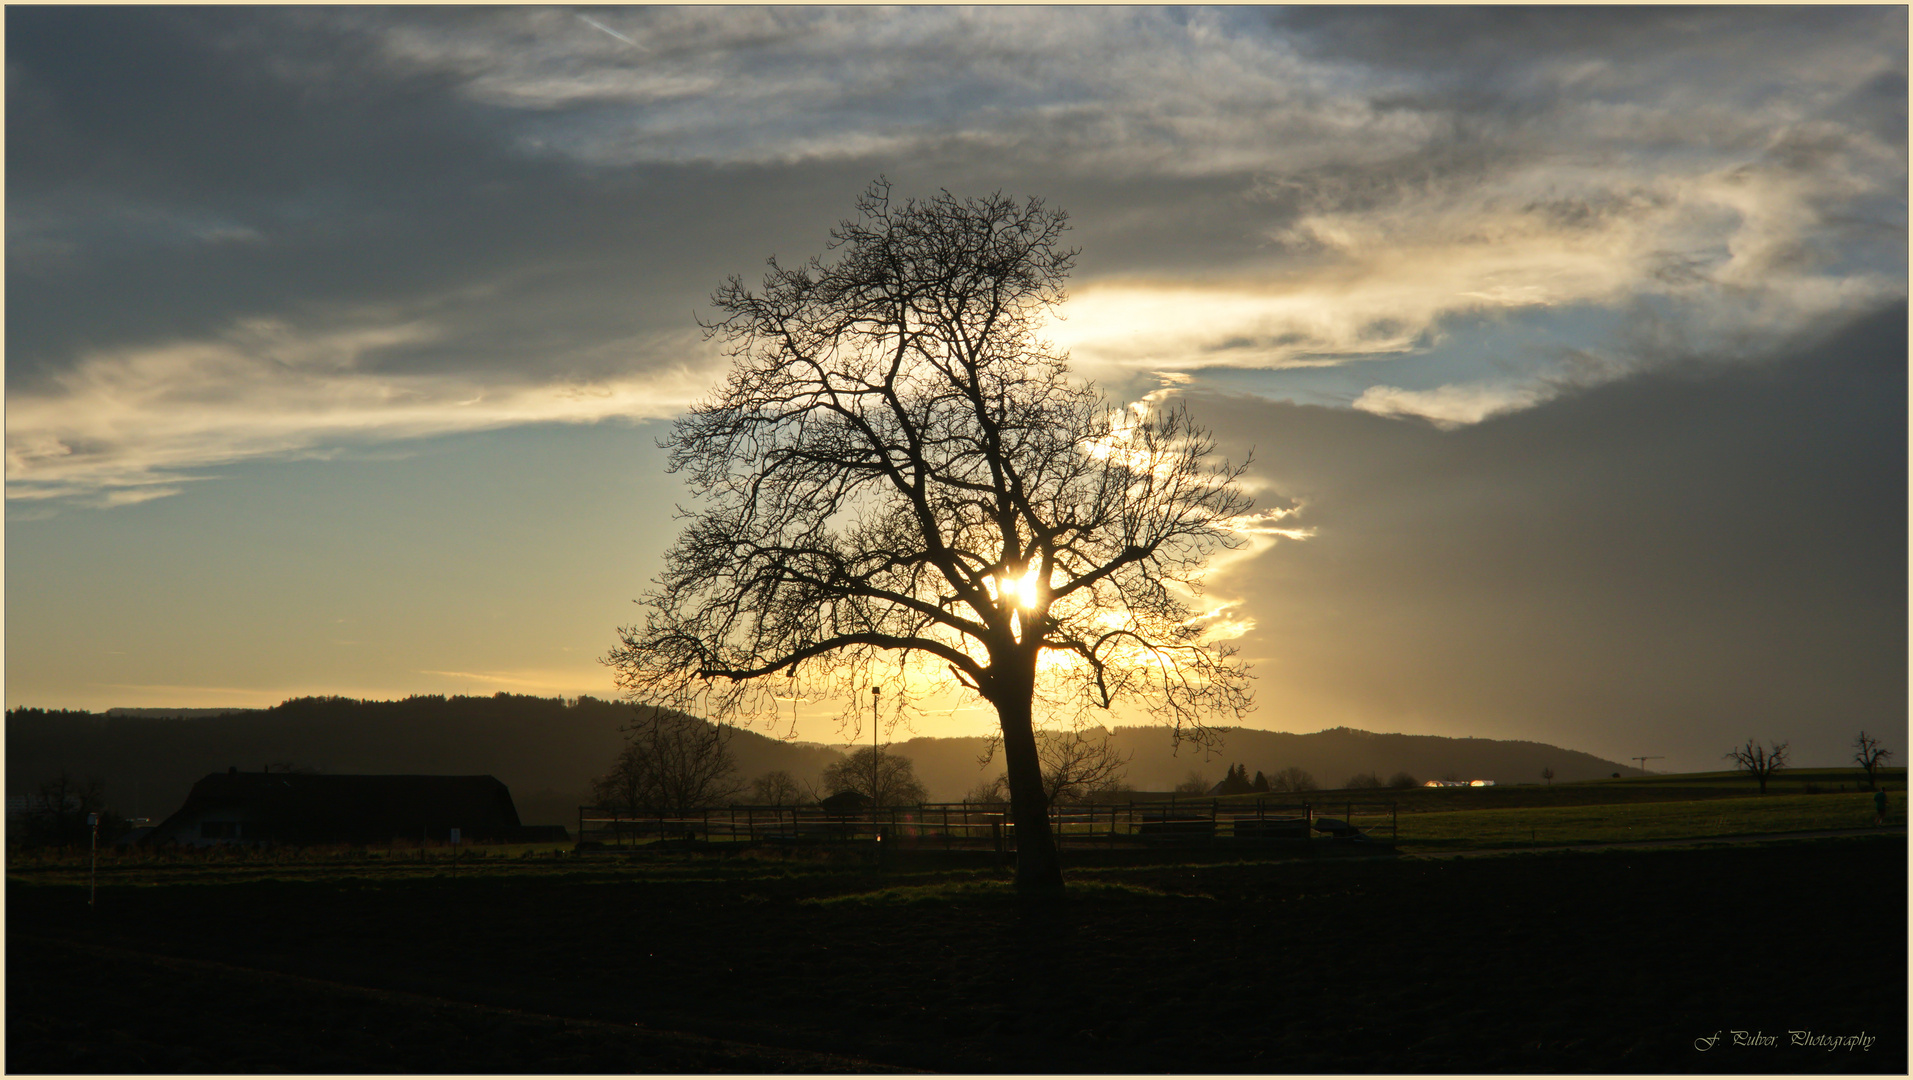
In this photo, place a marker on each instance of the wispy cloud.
(1362, 182)
(131, 425)
(1450, 406)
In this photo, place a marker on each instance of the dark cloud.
(1480, 39)
(176, 170)
(1667, 563)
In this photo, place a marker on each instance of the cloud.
(1664, 563)
(126, 426)
(544, 202)
(1449, 406)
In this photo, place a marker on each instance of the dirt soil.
(1611, 962)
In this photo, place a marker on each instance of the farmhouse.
(301, 808)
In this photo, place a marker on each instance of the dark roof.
(306, 808)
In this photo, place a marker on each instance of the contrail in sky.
(596, 25)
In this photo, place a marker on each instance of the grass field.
(545, 959)
(658, 961)
(1699, 806)
(1656, 820)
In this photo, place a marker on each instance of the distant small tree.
(1870, 755)
(992, 792)
(671, 763)
(775, 788)
(1403, 780)
(1193, 784)
(1760, 762)
(1548, 775)
(58, 808)
(1363, 781)
(889, 780)
(1293, 779)
(1074, 762)
(1261, 782)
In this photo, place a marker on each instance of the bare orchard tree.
(1193, 783)
(1759, 761)
(898, 470)
(886, 779)
(1075, 762)
(1869, 755)
(992, 792)
(1294, 779)
(671, 763)
(775, 788)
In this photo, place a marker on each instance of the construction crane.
(1648, 758)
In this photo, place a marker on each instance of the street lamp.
(876, 749)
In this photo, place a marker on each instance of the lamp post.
(93, 874)
(876, 750)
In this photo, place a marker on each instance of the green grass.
(1611, 822)
(1686, 806)
(947, 892)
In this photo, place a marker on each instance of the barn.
(304, 808)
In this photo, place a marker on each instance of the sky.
(339, 340)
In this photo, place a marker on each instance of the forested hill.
(548, 749)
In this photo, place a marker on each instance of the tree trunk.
(1037, 867)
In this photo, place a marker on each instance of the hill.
(547, 749)
(948, 766)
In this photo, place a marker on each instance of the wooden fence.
(1175, 822)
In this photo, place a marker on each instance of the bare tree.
(1870, 755)
(671, 763)
(1547, 774)
(1363, 782)
(1293, 779)
(1193, 784)
(59, 806)
(775, 788)
(1074, 762)
(885, 779)
(1403, 780)
(1759, 761)
(899, 470)
(992, 792)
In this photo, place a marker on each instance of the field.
(657, 960)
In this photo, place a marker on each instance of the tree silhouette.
(884, 779)
(1193, 783)
(899, 470)
(775, 788)
(1074, 763)
(1759, 761)
(1868, 753)
(671, 763)
(1293, 779)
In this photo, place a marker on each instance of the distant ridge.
(548, 749)
(180, 714)
(948, 766)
